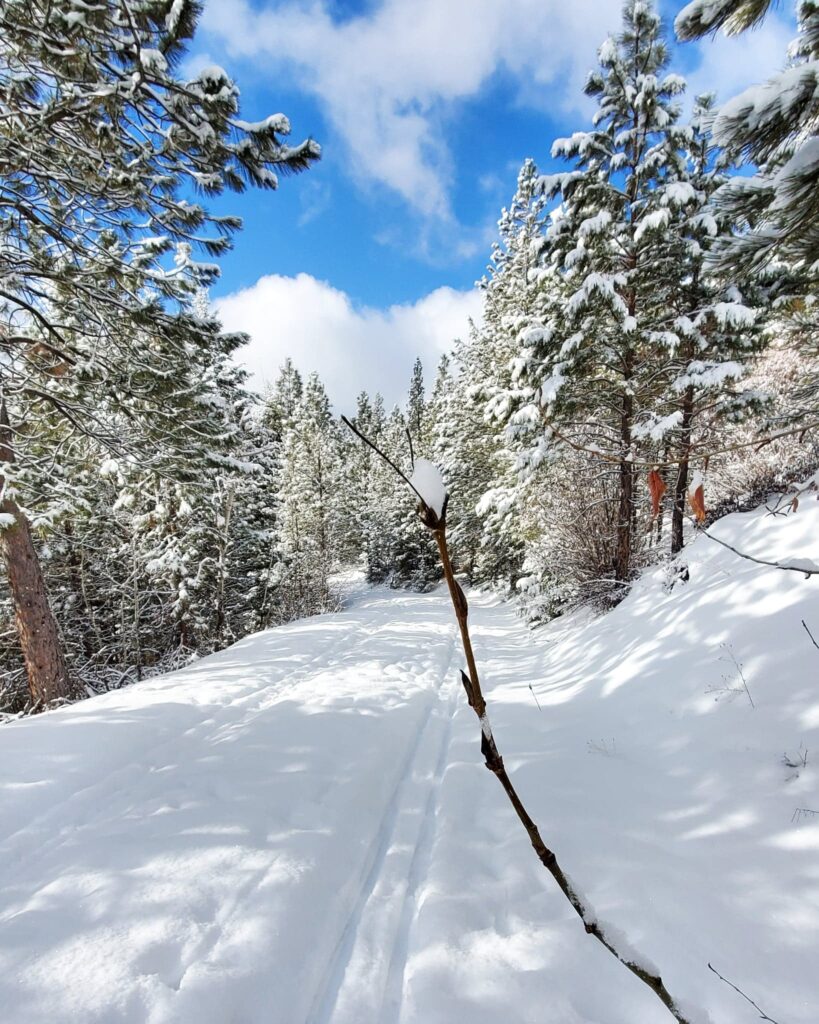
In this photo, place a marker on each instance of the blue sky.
(425, 110)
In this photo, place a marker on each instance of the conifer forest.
(258, 639)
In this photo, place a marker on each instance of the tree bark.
(48, 676)
(625, 507)
(681, 484)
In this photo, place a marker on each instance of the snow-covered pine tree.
(233, 514)
(144, 569)
(98, 236)
(441, 432)
(587, 367)
(713, 329)
(417, 406)
(774, 126)
(310, 483)
(360, 519)
(449, 447)
(397, 552)
(489, 518)
(385, 505)
(282, 399)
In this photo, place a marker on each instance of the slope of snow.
(299, 830)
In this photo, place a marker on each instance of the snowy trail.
(299, 830)
(350, 992)
(341, 667)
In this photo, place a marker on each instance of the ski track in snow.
(299, 829)
(366, 921)
(419, 866)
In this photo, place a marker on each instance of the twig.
(812, 637)
(762, 1014)
(799, 760)
(738, 667)
(494, 762)
(789, 502)
(762, 561)
(383, 456)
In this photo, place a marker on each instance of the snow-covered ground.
(299, 830)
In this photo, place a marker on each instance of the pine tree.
(386, 505)
(586, 365)
(309, 505)
(98, 240)
(490, 528)
(774, 126)
(282, 399)
(416, 405)
(713, 329)
(359, 526)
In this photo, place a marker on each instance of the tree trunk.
(224, 543)
(661, 514)
(681, 485)
(76, 570)
(625, 508)
(48, 677)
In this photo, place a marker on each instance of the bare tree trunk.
(625, 506)
(76, 568)
(48, 676)
(224, 543)
(137, 613)
(681, 484)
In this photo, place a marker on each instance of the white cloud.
(353, 349)
(315, 198)
(388, 79)
(392, 79)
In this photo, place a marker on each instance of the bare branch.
(807, 569)
(494, 761)
(695, 452)
(762, 1014)
(383, 455)
(812, 638)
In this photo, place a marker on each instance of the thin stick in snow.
(803, 565)
(812, 638)
(762, 1014)
(436, 523)
(730, 652)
